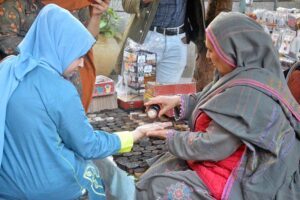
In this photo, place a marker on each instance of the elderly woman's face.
(222, 67)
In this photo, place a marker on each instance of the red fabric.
(293, 83)
(214, 174)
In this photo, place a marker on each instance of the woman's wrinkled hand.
(165, 102)
(158, 133)
(142, 130)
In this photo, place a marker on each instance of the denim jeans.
(171, 55)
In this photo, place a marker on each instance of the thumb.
(158, 134)
(152, 101)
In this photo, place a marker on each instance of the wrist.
(126, 141)
(178, 99)
(136, 135)
(95, 17)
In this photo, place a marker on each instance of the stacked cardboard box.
(104, 95)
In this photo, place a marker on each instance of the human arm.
(98, 8)
(183, 104)
(78, 135)
(129, 137)
(88, 72)
(75, 130)
(214, 145)
(141, 131)
(165, 102)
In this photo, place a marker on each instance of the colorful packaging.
(103, 86)
(139, 65)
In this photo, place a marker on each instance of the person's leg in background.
(171, 55)
(173, 61)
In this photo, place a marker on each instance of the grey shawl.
(253, 103)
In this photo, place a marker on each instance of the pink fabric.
(182, 111)
(214, 174)
(213, 40)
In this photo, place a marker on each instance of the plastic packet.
(138, 67)
(276, 38)
(270, 19)
(287, 38)
(120, 87)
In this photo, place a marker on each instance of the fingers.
(156, 126)
(161, 99)
(158, 133)
(163, 111)
(157, 129)
(160, 125)
(101, 5)
(101, 2)
(167, 124)
(154, 100)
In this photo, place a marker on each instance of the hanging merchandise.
(295, 47)
(139, 66)
(294, 20)
(287, 38)
(282, 25)
(249, 7)
(276, 38)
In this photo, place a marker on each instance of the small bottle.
(153, 111)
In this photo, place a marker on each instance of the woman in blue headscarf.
(45, 138)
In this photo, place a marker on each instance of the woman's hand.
(158, 133)
(142, 130)
(99, 7)
(165, 102)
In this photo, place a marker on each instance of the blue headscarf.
(54, 41)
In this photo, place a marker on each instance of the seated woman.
(46, 141)
(244, 142)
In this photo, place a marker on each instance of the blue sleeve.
(75, 130)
